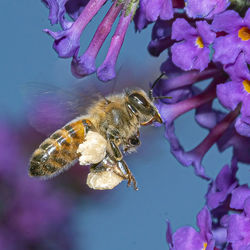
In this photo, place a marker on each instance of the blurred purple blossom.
(32, 213)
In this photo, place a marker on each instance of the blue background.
(121, 218)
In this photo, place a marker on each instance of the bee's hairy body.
(117, 118)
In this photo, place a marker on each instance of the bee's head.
(140, 105)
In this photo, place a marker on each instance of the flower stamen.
(244, 33)
(246, 84)
(204, 246)
(199, 43)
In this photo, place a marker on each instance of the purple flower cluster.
(67, 41)
(205, 41)
(33, 215)
(224, 223)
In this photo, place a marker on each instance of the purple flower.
(228, 47)
(205, 8)
(67, 42)
(160, 37)
(58, 8)
(238, 228)
(106, 71)
(208, 117)
(223, 185)
(187, 238)
(237, 91)
(192, 52)
(151, 10)
(157, 8)
(186, 98)
(239, 195)
(85, 64)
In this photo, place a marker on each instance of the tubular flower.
(187, 238)
(186, 98)
(192, 52)
(208, 117)
(237, 91)
(237, 38)
(67, 41)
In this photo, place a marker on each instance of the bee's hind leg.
(122, 165)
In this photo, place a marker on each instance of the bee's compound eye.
(139, 99)
(134, 141)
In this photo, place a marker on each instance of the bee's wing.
(50, 107)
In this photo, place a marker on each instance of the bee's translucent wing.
(50, 107)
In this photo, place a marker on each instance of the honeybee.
(109, 128)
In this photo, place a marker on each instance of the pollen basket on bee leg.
(93, 149)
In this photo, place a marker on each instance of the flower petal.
(230, 94)
(156, 8)
(187, 238)
(226, 49)
(239, 195)
(239, 70)
(187, 56)
(83, 66)
(205, 8)
(247, 18)
(242, 127)
(204, 222)
(238, 231)
(181, 29)
(204, 30)
(228, 21)
(223, 185)
(66, 42)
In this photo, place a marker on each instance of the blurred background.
(63, 213)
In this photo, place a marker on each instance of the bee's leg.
(113, 135)
(127, 173)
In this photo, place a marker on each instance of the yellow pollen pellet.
(204, 246)
(246, 84)
(244, 34)
(199, 42)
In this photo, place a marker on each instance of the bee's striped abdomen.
(58, 151)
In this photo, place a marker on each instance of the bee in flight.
(99, 138)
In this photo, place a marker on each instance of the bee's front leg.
(126, 171)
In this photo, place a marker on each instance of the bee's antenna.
(162, 97)
(150, 94)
